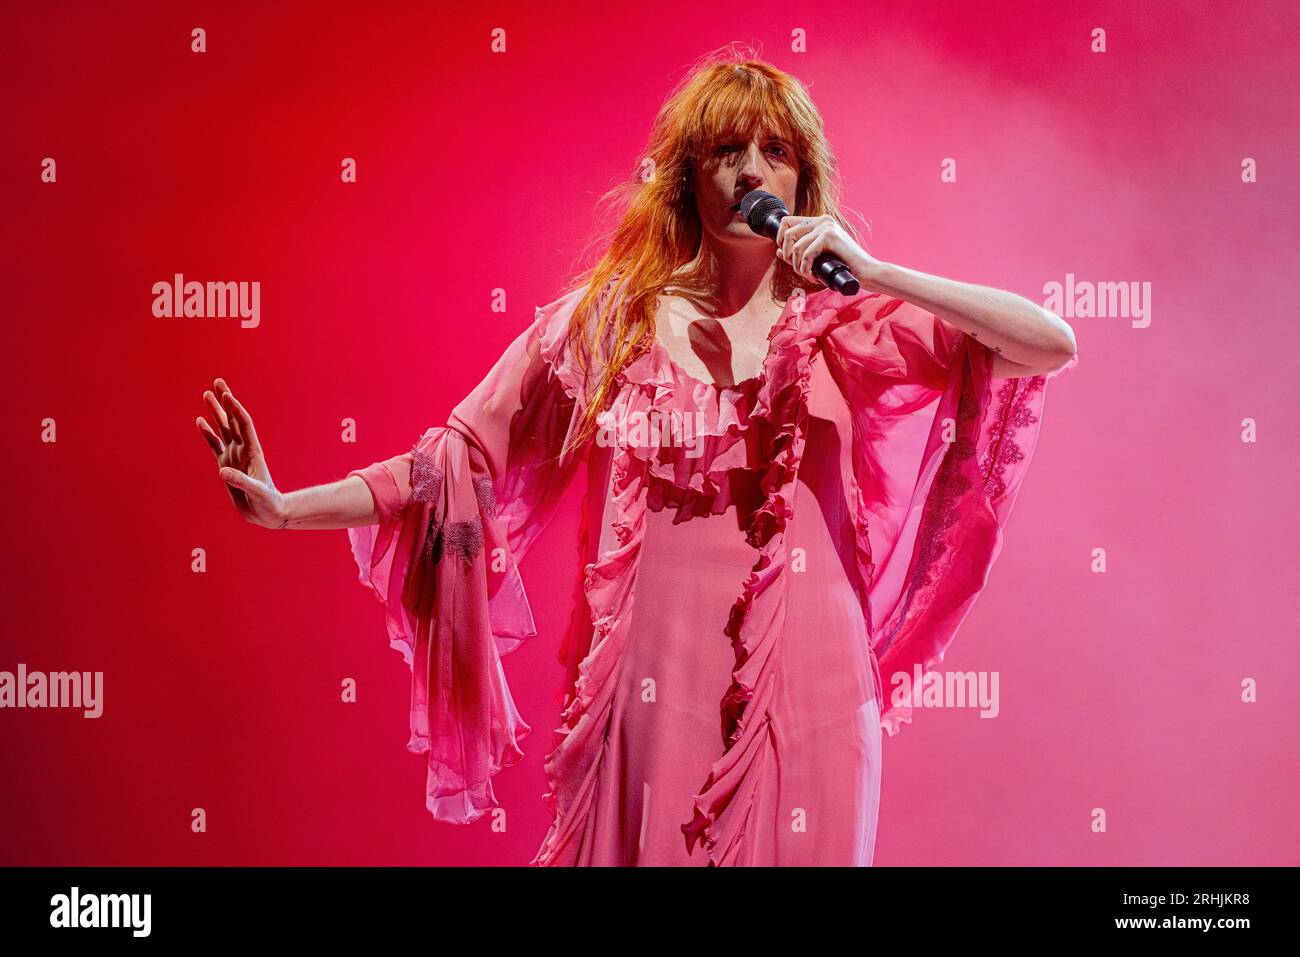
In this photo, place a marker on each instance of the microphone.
(764, 213)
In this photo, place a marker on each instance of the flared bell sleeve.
(455, 515)
(940, 449)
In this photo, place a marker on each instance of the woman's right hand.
(240, 462)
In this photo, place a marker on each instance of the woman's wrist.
(873, 274)
(288, 512)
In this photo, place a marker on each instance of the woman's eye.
(775, 148)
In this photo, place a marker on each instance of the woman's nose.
(752, 170)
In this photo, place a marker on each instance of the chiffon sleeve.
(940, 449)
(454, 516)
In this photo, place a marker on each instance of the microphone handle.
(835, 275)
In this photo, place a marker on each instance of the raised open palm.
(241, 465)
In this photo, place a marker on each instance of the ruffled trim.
(553, 318)
(608, 584)
(987, 456)
(705, 446)
(648, 385)
(690, 471)
(757, 621)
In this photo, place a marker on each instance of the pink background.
(477, 171)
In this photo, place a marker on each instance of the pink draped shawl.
(940, 450)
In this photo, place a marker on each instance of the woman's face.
(766, 162)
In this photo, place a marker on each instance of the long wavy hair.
(727, 96)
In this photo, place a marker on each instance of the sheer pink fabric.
(937, 478)
(853, 494)
(455, 514)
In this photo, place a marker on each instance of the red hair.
(727, 96)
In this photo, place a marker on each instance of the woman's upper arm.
(517, 407)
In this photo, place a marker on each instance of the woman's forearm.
(346, 503)
(1009, 325)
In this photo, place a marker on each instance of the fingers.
(789, 252)
(804, 251)
(792, 229)
(209, 436)
(218, 413)
(794, 226)
(243, 421)
(224, 395)
(804, 242)
(231, 417)
(241, 480)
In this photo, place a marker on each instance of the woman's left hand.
(801, 239)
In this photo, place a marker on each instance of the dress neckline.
(663, 356)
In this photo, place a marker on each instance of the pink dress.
(742, 585)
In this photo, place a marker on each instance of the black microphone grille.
(757, 205)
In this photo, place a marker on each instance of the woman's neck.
(739, 280)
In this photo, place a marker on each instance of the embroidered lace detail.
(465, 539)
(1013, 414)
(426, 478)
(462, 539)
(485, 494)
